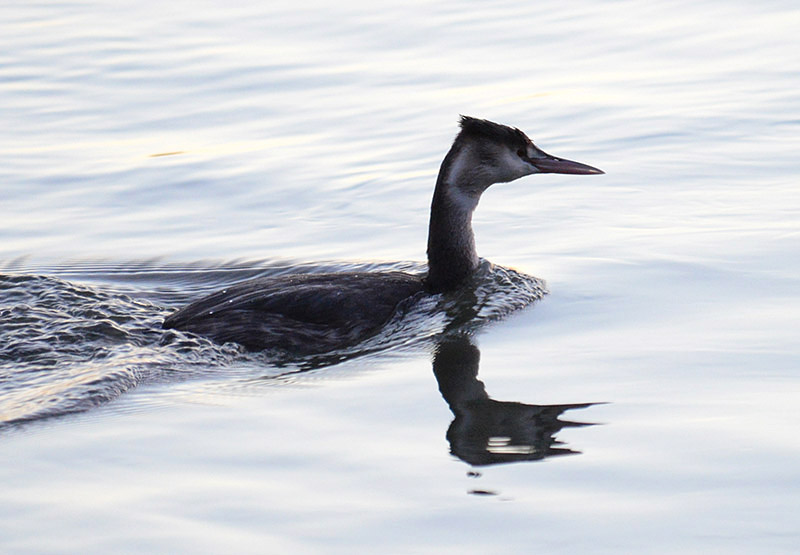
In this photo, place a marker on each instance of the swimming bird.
(317, 313)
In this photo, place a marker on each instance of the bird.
(307, 314)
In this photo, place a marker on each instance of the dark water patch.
(82, 335)
(482, 492)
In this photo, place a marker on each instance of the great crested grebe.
(317, 313)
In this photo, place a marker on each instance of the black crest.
(489, 130)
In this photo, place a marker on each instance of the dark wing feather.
(306, 313)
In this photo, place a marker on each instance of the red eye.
(521, 153)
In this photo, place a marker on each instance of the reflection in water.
(486, 431)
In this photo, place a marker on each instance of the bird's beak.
(552, 164)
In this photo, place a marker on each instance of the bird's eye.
(522, 154)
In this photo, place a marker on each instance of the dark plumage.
(307, 314)
(491, 131)
(302, 314)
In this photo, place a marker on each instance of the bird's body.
(316, 313)
(302, 313)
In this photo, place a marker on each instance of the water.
(151, 153)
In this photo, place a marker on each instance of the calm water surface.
(151, 153)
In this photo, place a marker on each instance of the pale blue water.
(151, 152)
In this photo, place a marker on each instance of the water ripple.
(67, 346)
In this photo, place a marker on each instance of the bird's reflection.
(485, 431)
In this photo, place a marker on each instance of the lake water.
(152, 152)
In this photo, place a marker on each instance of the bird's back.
(302, 314)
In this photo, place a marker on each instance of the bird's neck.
(451, 243)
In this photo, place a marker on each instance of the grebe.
(317, 313)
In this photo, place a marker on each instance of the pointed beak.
(552, 164)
